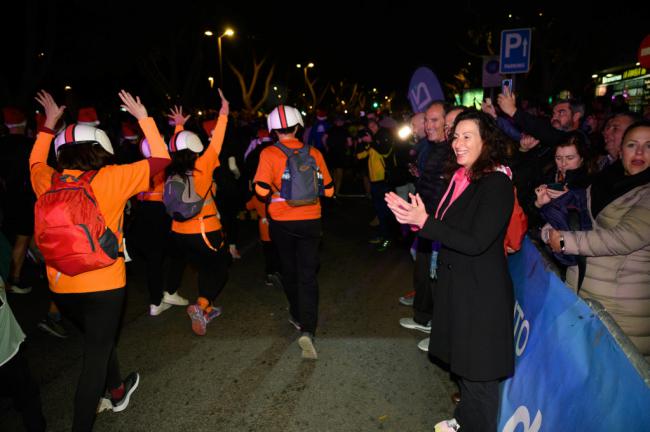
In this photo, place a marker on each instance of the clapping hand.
(413, 213)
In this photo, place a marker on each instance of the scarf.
(612, 183)
(459, 182)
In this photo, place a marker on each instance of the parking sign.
(515, 51)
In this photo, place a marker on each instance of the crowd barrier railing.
(575, 370)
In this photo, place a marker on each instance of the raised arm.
(220, 130)
(159, 156)
(53, 113)
(176, 115)
(39, 172)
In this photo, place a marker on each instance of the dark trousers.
(423, 300)
(478, 407)
(148, 237)
(229, 205)
(16, 379)
(98, 316)
(378, 191)
(212, 266)
(297, 243)
(271, 258)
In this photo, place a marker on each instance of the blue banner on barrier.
(570, 374)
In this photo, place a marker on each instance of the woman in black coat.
(472, 327)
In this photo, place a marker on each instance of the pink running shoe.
(199, 321)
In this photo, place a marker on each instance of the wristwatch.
(562, 246)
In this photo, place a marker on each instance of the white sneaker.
(104, 404)
(307, 345)
(423, 345)
(410, 323)
(174, 299)
(234, 252)
(157, 310)
(447, 426)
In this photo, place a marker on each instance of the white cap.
(79, 134)
(185, 140)
(284, 116)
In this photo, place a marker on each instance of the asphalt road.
(246, 374)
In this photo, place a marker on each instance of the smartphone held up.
(506, 86)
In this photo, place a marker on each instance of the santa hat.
(209, 125)
(87, 116)
(13, 117)
(130, 130)
(321, 114)
(40, 120)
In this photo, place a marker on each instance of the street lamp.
(309, 84)
(228, 32)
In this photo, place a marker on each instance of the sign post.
(515, 51)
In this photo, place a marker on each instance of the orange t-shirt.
(263, 223)
(203, 168)
(113, 185)
(156, 186)
(269, 171)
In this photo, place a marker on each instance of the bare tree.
(248, 89)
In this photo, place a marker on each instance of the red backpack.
(516, 228)
(70, 230)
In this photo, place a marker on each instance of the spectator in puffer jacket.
(618, 247)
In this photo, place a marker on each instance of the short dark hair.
(575, 105)
(288, 130)
(82, 156)
(496, 145)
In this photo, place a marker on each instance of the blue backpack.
(302, 180)
(181, 200)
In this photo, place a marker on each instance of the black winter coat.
(472, 326)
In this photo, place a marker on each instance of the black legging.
(148, 237)
(212, 266)
(98, 316)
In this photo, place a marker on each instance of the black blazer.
(472, 326)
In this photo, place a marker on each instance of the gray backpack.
(180, 198)
(302, 180)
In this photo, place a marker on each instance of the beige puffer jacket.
(618, 263)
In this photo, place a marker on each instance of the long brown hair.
(497, 147)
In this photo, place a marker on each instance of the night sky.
(97, 47)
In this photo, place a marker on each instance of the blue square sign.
(515, 51)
